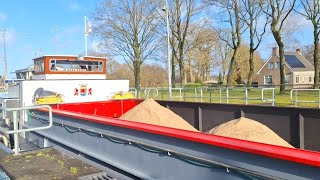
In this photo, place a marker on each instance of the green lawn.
(236, 96)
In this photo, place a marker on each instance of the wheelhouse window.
(39, 66)
(77, 65)
(297, 78)
(268, 80)
(270, 65)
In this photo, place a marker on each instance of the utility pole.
(4, 54)
(166, 9)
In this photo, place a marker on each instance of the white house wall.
(302, 74)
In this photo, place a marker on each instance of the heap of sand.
(250, 130)
(150, 112)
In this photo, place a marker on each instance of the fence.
(16, 129)
(315, 99)
(261, 95)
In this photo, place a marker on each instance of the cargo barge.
(84, 124)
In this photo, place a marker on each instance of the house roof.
(295, 61)
(298, 62)
(269, 60)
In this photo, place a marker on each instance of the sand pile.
(247, 129)
(150, 112)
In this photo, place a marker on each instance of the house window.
(271, 65)
(287, 79)
(278, 65)
(297, 79)
(268, 80)
(310, 79)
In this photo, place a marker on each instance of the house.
(299, 72)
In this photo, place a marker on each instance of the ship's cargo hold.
(147, 151)
(150, 112)
(250, 130)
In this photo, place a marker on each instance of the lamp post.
(4, 55)
(168, 46)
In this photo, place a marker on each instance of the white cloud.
(3, 17)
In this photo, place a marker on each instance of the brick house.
(299, 72)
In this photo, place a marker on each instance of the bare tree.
(278, 11)
(311, 10)
(308, 52)
(153, 75)
(237, 27)
(202, 57)
(243, 65)
(128, 28)
(251, 15)
(224, 53)
(182, 13)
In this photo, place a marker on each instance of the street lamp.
(168, 46)
(4, 54)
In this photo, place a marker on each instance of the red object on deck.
(103, 108)
(102, 112)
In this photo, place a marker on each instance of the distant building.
(299, 72)
(25, 73)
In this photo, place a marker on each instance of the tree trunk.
(181, 66)
(185, 76)
(231, 67)
(191, 76)
(224, 67)
(207, 73)
(278, 38)
(316, 57)
(282, 71)
(251, 51)
(136, 66)
(173, 72)
(182, 74)
(251, 71)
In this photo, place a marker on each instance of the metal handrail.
(134, 90)
(4, 114)
(273, 95)
(303, 101)
(246, 96)
(206, 89)
(180, 93)
(16, 131)
(147, 92)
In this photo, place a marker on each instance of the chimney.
(298, 50)
(275, 51)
